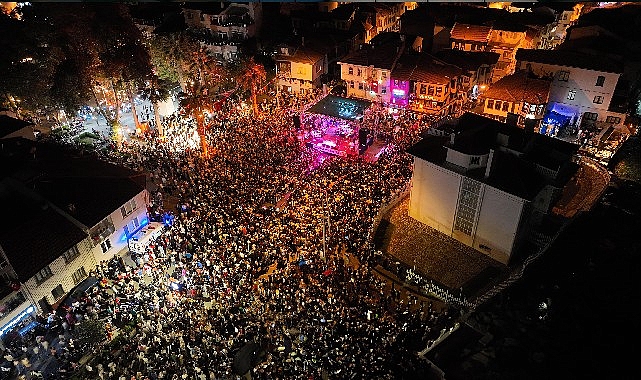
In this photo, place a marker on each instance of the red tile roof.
(469, 32)
(424, 68)
(520, 87)
(302, 55)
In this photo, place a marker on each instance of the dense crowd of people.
(252, 273)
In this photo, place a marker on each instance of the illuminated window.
(422, 89)
(571, 94)
(598, 99)
(497, 105)
(490, 104)
(506, 106)
(350, 70)
(351, 84)
(384, 74)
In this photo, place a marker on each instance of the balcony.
(11, 304)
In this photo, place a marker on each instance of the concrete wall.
(434, 195)
(498, 222)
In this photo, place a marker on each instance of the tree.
(200, 92)
(156, 91)
(252, 76)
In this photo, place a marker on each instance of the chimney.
(490, 159)
(452, 138)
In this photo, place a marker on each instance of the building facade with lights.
(425, 84)
(519, 95)
(73, 213)
(223, 27)
(367, 72)
(488, 185)
(299, 70)
(581, 89)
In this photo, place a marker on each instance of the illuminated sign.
(25, 313)
(398, 92)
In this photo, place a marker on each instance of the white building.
(367, 72)
(582, 85)
(223, 27)
(69, 213)
(482, 184)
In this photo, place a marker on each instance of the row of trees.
(56, 58)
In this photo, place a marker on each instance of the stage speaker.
(362, 137)
(296, 119)
(530, 124)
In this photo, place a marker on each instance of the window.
(79, 275)
(57, 292)
(105, 245)
(590, 116)
(497, 105)
(128, 208)
(384, 74)
(350, 70)
(506, 54)
(571, 94)
(613, 119)
(430, 90)
(43, 275)
(532, 108)
(359, 72)
(564, 76)
(439, 90)
(351, 84)
(598, 99)
(475, 160)
(360, 85)
(506, 106)
(490, 104)
(71, 254)
(600, 80)
(422, 89)
(383, 90)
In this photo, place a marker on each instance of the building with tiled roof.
(477, 65)
(300, 69)
(367, 71)
(427, 84)
(85, 210)
(488, 185)
(582, 87)
(470, 37)
(518, 94)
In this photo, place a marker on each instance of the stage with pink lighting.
(333, 126)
